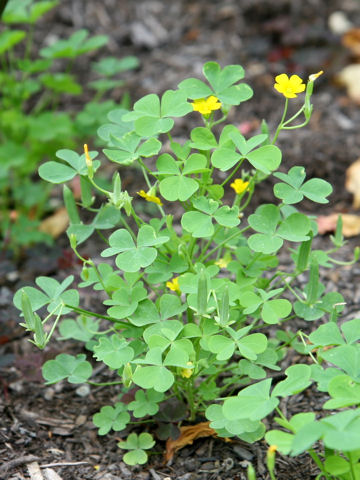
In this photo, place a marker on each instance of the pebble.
(83, 390)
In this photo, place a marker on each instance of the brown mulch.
(46, 432)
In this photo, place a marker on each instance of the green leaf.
(336, 465)
(252, 402)
(174, 104)
(145, 314)
(111, 418)
(9, 38)
(82, 329)
(110, 66)
(252, 345)
(195, 88)
(219, 79)
(346, 357)
(137, 444)
(202, 139)
(266, 159)
(227, 216)
(178, 188)
(55, 172)
(274, 310)
(316, 190)
(113, 351)
(224, 347)
(225, 158)
(75, 369)
(282, 440)
(344, 392)
(145, 403)
(295, 228)
(265, 219)
(327, 334)
(198, 224)
(351, 330)
(157, 377)
(77, 44)
(298, 378)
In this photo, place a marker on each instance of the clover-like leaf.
(132, 258)
(145, 403)
(137, 444)
(56, 172)
(75, 369)
(298, 378)
(55, 297)
(111, 418)
(113, 351)
(293, 190)
(344, 392)
(253, 402)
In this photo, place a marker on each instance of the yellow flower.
(87, 156)
(206, 105)
(289, 87)
(314, 76)
(239, 186)
(222, 262)
(272, 449)
(187, 372)
(173, 285)
(149, 198)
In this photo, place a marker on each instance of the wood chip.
(34, 471)
(50, 474)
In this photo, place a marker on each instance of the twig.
(63, 464)
(16, 462)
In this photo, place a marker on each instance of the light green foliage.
(32, 128)
(137, 444)
(111, 418)
(197, 302)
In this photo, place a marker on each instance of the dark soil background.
(51, 426)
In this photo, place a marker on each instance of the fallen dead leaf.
(351, 40)
(187, 437)
(351, 224)
(56, 224)
(350, 78)
(352, 182)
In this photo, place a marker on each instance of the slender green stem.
(281, 121)
(215, 249)
(289, 120)
(354, 471)
(103, 384)
(316, 459)
(233, 172)
(96, 315)
(105, 192)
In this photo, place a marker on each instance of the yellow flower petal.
(239, 185)
(206, 105)
(173, 285)
(149, 198)
(289, 87)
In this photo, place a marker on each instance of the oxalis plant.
(199, 312)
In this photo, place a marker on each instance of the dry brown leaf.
(187, 437)
(56, 224)
(350, 78)
(352, 182)
(351, 224)
(327, 223)
(351, 40)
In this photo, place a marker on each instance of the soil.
(48, 429)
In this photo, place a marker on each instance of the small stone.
(83, 390)
(49, 393)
